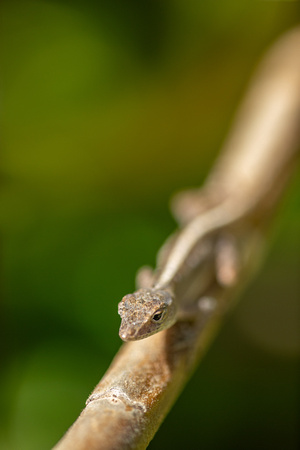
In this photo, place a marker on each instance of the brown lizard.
(242, 181)
(193, 256)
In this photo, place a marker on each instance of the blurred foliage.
(107, 108)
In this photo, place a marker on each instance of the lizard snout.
(127, 333)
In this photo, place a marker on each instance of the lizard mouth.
(133, 334)
(127, 334)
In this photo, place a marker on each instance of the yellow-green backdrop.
(106, 109)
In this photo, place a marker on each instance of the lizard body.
(156, 307)
(249, 175)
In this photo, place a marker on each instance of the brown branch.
(145, 378)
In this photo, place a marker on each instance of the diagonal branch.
(145, 378)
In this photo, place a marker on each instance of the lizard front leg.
(144, 278)
(227, 260)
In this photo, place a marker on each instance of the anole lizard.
(156, 307)
(249, 174)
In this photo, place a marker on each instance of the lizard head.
(145, 312)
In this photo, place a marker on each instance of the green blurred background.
(107, 108)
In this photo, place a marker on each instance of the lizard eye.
(157, 317)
